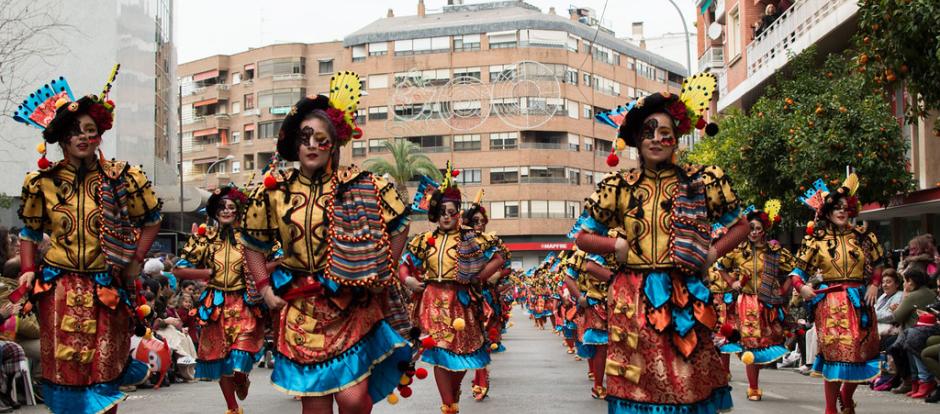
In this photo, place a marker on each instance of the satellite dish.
(714, 31)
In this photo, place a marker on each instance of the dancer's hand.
(274, 302)
(736, 285)
(621, 248)
(26, 279)
(871, 295)
(807, 292)
(414, 285)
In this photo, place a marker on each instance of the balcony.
(829, 24)
(197, 122)
(714, 58)
(218, 91)
(288, 77)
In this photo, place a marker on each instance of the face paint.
(314, 139)
(650, 128)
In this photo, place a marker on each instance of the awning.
(208, 160)
(205, 102)
(249, 127)
(912, 205)
(209, 74)
(250, 66)
(205, 132)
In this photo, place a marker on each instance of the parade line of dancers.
(669, 274)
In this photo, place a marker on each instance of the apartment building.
(506, 91)
(745, 62)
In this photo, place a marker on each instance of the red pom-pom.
(201, 230)
(270, 182)
(700, 123)
(432, 241)
(613, 160)
(427, 342)
(726, 330)
(357, 133)
(454, 173)
(43, 163)
(801, 332)
(405, 392)
(809, 230)
(421, 373)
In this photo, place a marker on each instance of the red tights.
(753, 371)
(448, 384)
(600, 362)
(353, 400)
(481, 377)
(227, 384)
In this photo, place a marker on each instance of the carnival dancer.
(849, 258)
(229, 310)
(757, 269)
(660, 355)
(726, 338)
(493, 316)
(102, 217)
(339, 322)
(592, 277)
(442, 266)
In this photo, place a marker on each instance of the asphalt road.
(534, 375)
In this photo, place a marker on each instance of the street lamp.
(211, 166)
(688, 48)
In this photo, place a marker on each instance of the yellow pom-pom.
(404, 380)
(747, 358)
(144, 310)
(60, 102)
(149, 334)
(621, 144)
(41, 148)
(511, 324)
(494, 347)
(459, 324)
(392, 399)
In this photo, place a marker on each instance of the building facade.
(138, 34)
(505, 91)
(745, 60)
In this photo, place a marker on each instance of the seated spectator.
(11, 356)
(916, 296)
(886, 304)
(921, 255)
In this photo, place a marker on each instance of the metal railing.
(543, 145)
(713, 58)
(289, 76)
(793, 30)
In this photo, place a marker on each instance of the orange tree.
(811, 122)
(899, 43)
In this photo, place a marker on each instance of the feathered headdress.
(686, 110)
(821, 200)
(53, 109)
(768, 217)
(448, 186)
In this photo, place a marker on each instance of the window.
(603, 146)
(281, 66)
(412, 112)
(504, 209)
(504, 140)
(588, 144)
(378, 113)
(473, 73)
(603, 54)
(280, 99)
(466, 143)
(571, 76)
(542, 174)
(501, 40)
(378, 49)
(359, 53)
(236, 78)
(734, 34)
(325, 66)
(428, 141)
(504, 175)
(249, 100)
(587, 79)
(248, 160)
(502, 73)
(645, 70)
(572, 209)
(467, 42)
(378, 81)
(236, 166)
(543, 38)
(574, 142)
(377, 145)
(572, 43)
(465, 109)
(249, 132)
(269, 129)
(589, 177)
(587, 112)
(469, 176)
(440, 44)
(361, 116)
(250, 71)
(358, 148)
(236, 107)
(572, 108)
(236, 137)
(573, 175)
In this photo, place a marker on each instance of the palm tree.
(407, 161)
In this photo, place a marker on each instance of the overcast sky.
(210, 27)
